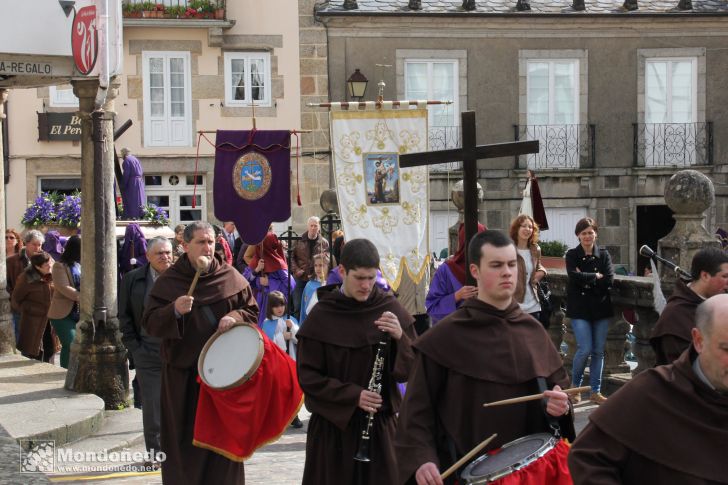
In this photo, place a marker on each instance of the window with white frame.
(62, 97)
(671, 90)
(552, 112)
(247, 79)
(553, 92)
(167, 99)
(174, 193)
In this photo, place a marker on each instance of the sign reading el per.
(59, 127)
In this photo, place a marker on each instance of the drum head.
(511, 457)
(229, 359)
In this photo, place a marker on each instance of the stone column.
(688, 193)
(98, 358)
(7, 332)
(458, 198)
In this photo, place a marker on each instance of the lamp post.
(357, 85)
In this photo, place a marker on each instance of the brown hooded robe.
(223, 290)
(336, 349)
(476, 355)
(665, 427)
(671, 334)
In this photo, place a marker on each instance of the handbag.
(544, 298)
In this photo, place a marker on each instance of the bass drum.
(230, 358)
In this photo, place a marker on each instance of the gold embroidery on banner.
(385, 221)
(380, 134)
(349, 180)
(357, 215)
(349, 144)
(411, 213)
(416, 177)
(410, 141)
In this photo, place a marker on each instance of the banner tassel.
(298, 160)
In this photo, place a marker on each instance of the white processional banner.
(379, 200)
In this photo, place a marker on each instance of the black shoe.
(296, 423)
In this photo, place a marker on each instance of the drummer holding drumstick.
(185, 315)
(485, 351)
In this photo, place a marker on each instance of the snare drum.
(498, 467)
(230, 358)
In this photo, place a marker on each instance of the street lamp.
(357, 84)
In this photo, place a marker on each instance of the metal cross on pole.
(470, 153)
(330, 222)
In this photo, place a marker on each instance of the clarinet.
(375, 385)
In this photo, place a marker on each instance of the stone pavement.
(34, 406)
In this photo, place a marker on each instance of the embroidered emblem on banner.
(252, 176)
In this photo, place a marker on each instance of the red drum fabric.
(551, 469)
(235, 422)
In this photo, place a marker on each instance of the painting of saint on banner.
(382, 178)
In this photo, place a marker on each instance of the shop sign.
(59, 126)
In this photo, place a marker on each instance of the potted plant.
(552, 254)
(41, 213)
(148, 9)
(202, 8)
(220, 10)
(175, 12)
(159, 10)
(68, 214)
(132, 10)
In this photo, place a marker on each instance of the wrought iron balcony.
(561, 146)
(672, 144)
(174, 9)
(443, 138)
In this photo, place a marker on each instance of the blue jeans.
(590, 339)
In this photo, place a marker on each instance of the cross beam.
(470, 153)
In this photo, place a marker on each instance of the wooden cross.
(470, 153)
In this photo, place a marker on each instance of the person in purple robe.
(268, 271)
(132, 186)
(448, 289)
(54, 244)
(133, 253)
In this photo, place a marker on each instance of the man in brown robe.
(671, 335)
(485, 351)
(337, 346)
(221, 298)
(669, 425)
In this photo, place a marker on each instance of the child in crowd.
(281, 330)
(320, 266)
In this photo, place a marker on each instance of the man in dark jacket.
(310, 244)
(135, 286)
(669, 425)
(671, 335)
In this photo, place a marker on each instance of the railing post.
(593, 151)
(709, 140)
(516, 135)
(635, 136)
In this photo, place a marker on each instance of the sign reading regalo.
(20, 68)
(59, 126)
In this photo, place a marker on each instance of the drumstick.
(201, 263)
(467, 457)
(533, 397)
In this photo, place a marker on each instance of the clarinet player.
(355, 346)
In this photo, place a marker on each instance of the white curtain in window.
(669, 91)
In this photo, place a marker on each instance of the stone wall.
(315, 164)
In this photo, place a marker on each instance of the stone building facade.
(181, 76)
(619, 99)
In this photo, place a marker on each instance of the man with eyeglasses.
(145, 349)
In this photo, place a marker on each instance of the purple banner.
(252, 180)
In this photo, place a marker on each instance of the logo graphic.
(37, 456)
(252, 176)
(85, 39)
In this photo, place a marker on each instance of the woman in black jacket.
(588, 305)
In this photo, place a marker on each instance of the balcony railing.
(672, 144)
(174, 9)
(443, 138)
(561, 146)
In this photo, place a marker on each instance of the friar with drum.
(668, 425)
(487, 350)
(353, 349)
(220, 299)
